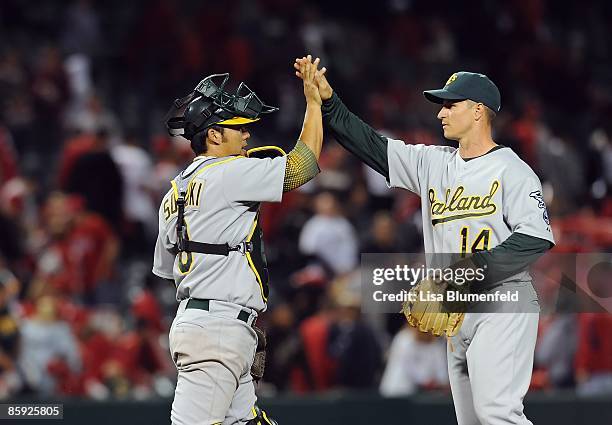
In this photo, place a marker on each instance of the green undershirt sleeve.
(512, 256)
(356, 136)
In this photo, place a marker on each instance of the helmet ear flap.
(198, 112)
(176, 126)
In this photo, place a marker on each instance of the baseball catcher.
(210, 244)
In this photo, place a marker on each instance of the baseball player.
(210, 245)
(479, 199)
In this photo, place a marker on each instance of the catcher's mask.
(209, 104)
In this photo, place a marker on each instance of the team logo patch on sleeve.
(537, 195)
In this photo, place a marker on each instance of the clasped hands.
(316, 86)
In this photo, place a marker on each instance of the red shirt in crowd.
(594, 352)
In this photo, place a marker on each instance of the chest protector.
(252, 248)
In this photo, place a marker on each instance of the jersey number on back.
(185, 259)
(481, 242)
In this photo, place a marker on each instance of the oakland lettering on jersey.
(456, 206)
(192, 199)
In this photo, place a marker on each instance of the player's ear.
(479, 111)
(213, 136)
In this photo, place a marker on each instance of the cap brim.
(238, 121)
(440, 95)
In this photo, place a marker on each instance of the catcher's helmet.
(209, 104)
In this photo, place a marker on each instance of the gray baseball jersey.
(221, 207)
(469, 205)
(475, 205)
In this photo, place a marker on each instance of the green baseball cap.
(467, 85)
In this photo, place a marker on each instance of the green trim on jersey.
(257, 259)
(493, 149)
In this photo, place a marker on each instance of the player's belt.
(202, 304)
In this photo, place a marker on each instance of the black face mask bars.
(243, 103)
(249, 104)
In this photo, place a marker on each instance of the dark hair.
(198, 141)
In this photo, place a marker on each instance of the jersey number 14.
(481, 242)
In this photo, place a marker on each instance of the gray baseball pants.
(213, 352)
(490, 360)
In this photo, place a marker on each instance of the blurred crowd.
(85, 160)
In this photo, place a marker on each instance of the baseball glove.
(259, 362)
(428, 311)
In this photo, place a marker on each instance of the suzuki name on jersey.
(456, 206)
(192, 199)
